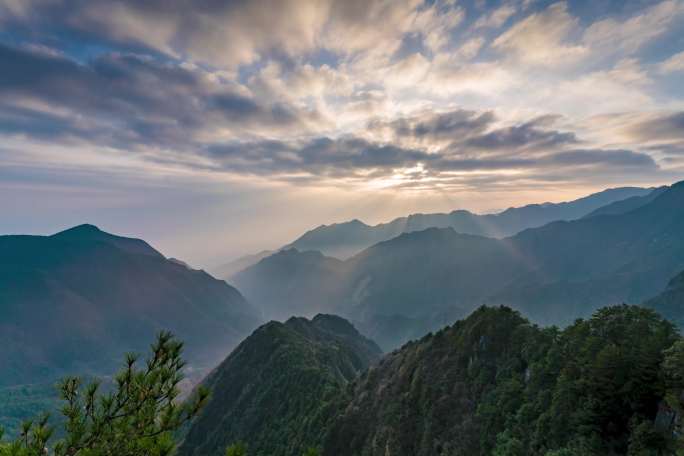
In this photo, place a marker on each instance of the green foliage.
(494, 384)
(138, 418)
(278, 390)
(237, 449)
(646, 440)
(673, 368)
(595, 389)
(21, 402)
(312, 452)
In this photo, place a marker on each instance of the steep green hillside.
(276, 390)
(494, 384)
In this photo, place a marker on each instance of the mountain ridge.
(353, 236)
(281, 380)
(554, 273)
(87, 283)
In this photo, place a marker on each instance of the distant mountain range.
(670, 303)
(75, 301)
(279, 282)
(343, 240)
(277, 388)
(228, 270)
(553, 273)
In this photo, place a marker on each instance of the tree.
(673, 368)
(237, 449)
(137, 418)
(311, 451)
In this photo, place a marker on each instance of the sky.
(218, 128)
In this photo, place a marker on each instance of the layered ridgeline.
(670, 303)
(343, 240)
(492, 384)
(554, 273)
(277, 389)
(73, 302)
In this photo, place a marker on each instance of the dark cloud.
(528, 136)
(471, 132)
(320, 156)
(355, 157)
(132, 100)
(450, 126)
(616, 158)
(660, 128)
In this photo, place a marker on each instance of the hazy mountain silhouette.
(670, 303)
(554, 273)
(75, 301)
(629, 204)
(342, 240)
(289, 283)
(228, 270)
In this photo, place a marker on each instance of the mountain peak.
(85, 229)
(335, 324)
(90, 233)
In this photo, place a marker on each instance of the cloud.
(425, 147)
(674, 64)
(358, 159)
(225, 33)
(612, 158)
(127, 100)
(431, 129)
(525, 136)
(310, 90)
(496, 18)
(343, 157)
(542, 38)
(663, 127)
(612, 35)
(660, 132)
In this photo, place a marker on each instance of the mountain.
(292, 277)
(277, 388)
(342, 240)
(74, 301)
(670, 303)
(554, 274)
(228, 270)
(495, 384)
(628, 204)
(490, 384)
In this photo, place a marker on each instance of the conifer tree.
(137, 418)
